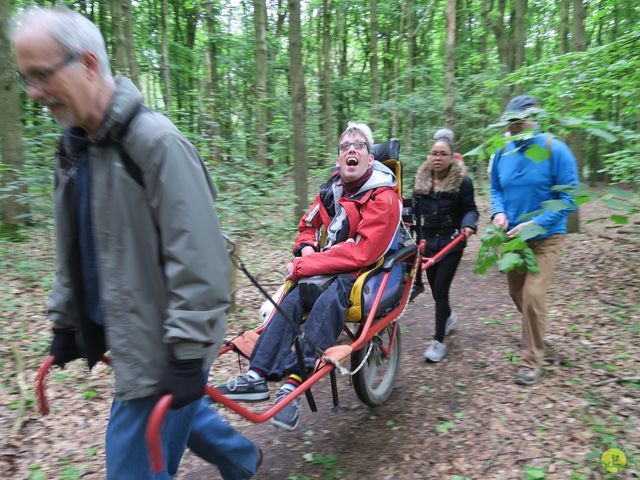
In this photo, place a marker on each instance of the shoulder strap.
(130, 165)
(548, 145)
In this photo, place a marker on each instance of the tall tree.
(576, 139)
(260, 22)
(298, 107)
(164, 54)
(212, 84)
(565, 6)
(325, 82)
(341, 97)
(13, 208)
(450, 68)
(119, 42)
(519, 38)
(395, 122)
(373, 62)
(130, 45)
(411, 82)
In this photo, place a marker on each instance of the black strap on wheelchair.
(418, 283)
(296, 327)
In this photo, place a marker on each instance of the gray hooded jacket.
(162, 264)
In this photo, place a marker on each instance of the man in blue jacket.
(520, 183)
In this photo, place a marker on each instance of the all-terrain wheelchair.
(369, 350)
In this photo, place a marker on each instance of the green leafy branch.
(509, 253)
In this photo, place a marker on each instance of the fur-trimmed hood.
(450, 184)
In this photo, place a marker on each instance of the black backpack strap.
(129, 164)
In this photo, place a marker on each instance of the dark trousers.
(273, 354)
(440, 277)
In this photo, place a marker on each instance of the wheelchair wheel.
(374, 382)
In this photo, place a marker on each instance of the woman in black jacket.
(444, 204)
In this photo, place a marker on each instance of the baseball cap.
(520, 108)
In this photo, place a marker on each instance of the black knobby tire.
(374, 382)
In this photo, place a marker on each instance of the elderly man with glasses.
(142, 268)
(359, 209)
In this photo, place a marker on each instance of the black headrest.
(386, 150)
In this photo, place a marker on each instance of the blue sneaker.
(289, 417)
(245, 388)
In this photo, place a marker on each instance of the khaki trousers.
(528, 292)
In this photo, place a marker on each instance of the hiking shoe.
(435, 352)
(289, 417)
(527, 375)
(245, 388)
(451, 322)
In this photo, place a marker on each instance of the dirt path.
(460, 419)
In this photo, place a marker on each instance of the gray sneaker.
(289, 417)
(435, 352)
(245, 388)
(451, 322)
(527, 375)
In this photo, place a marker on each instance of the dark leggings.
(440, 277)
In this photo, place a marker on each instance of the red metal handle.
(41, 382)
(41, 378)
(430, 261)
(154, 439)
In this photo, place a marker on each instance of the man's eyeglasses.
(344, 147)
(37, 78)
(439, 154)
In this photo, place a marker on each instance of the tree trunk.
(13, 207)
(325, 84)
(213, 110)
(298, 108)
(579, 34)
(164, 54)
(373, 61)
(130, 46)
(260, 21)
(576, 139)
(564, 26)
(341, 110)
(502, 41)
(450, 67)
(119, 41)
(411, 78)
(519, 38)
(395, 123)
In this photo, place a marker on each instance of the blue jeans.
(272, 353)
(216, 442)
(195, 425)
(126, 445)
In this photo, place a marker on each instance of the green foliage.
(534, 473)
(444, 427)
(508, 253)
(36, 473)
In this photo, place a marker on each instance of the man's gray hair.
(360, 129)
(73, 31)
